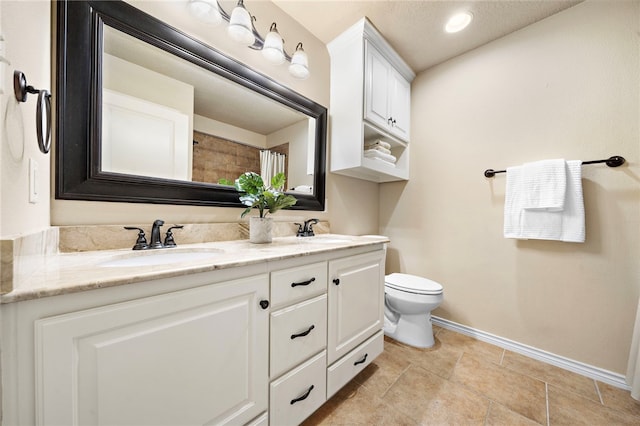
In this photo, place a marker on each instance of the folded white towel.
(377, 142)
(374, 153)
(544, 184)
(380, 148)
(567, 225)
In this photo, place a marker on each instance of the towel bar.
(614, 161)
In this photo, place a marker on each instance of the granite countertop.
(73, 272)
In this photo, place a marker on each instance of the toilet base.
(412, 330)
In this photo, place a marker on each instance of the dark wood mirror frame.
(78, 100)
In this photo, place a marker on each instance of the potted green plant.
(267, 199)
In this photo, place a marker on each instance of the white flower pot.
(260, 229)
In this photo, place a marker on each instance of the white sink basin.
(160, 257)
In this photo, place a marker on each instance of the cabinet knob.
(264, 304)
(336, 281)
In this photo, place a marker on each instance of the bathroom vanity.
(234, 333)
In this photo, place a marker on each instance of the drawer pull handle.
(264, 304)
(364, 358)
(336, 281)
(304, 333)
(303, 397)
(303, 282)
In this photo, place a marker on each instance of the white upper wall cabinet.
(387, 95)
(370, 101)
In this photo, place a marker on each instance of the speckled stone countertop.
(64, 273)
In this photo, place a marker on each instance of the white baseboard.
(605, 376)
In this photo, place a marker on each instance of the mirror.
(147, 114)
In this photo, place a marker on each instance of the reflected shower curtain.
(271, 163)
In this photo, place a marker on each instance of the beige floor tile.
(499, 415)
(559, 377)
(619, 399)
(440, 359)
(384, 370)
(520, 393)
(469, 345)
(357, 405)
(567, 408)
(432, 400)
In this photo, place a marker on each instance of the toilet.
(408, 302)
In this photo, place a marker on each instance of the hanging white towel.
(566, 225)
(544, 184)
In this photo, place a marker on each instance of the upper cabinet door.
(376, 95)
(387, 95)
(400, 106)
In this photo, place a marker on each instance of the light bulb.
(240, 26)
(272, 48)
(206, 11)
(299, 67)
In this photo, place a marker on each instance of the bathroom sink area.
(159, 257)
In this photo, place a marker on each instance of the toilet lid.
(412, 284)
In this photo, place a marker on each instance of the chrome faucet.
(306, 229)
(156, 240)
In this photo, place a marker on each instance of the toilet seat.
(412, 284)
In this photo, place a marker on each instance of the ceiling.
(415, 28)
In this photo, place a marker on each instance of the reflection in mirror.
(147, 114)
(196, 125)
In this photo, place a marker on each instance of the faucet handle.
(141, 242)
(300, 232)
(168, 240)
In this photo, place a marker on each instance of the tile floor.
(463, 381)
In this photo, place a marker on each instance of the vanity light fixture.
(273, 49)
(299, 67)
(458, 22)
(241, 25)
(242, 30)
(206, 11)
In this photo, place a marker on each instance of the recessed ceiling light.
(458, 22)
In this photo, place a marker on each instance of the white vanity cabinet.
(196, 356)
(298, 338)
(356, 316)
(259, 343)
(370, 101)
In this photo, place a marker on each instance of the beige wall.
(566, 87)
(25, 27)
(351, 204)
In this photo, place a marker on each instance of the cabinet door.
(400, 106)
(197, 356)
(356, 302)
(376, 94)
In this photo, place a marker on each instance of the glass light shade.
(299, 67)
(240, 26)
(458, 22)
(272, 48)
(206, 11)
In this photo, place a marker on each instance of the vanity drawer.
(293, 285)
(354, 362)
(297, 332)
(299, 393)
